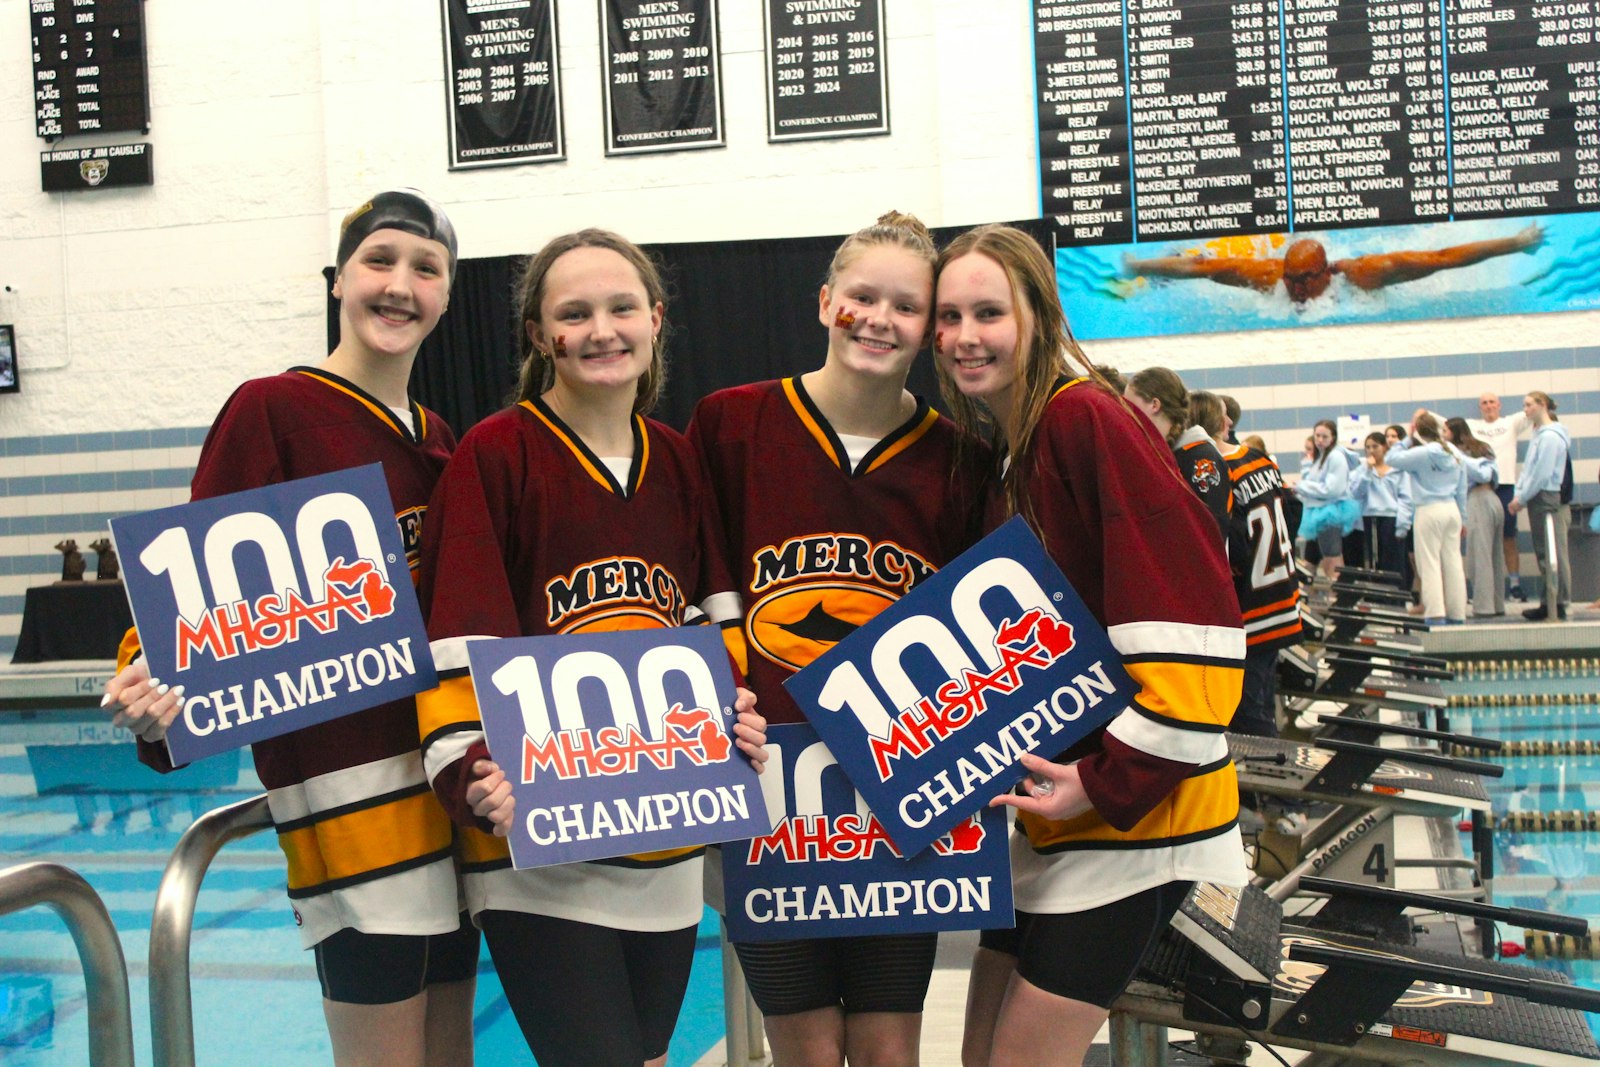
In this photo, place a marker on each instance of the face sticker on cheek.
(844, 319)
(561, 346)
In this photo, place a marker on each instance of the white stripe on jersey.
(1198, 747)
(1155, 638)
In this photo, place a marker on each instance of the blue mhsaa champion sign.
(828, 869)
(928, 706)
(616, 743)
(275, 608)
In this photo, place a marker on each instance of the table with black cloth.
(73, 620)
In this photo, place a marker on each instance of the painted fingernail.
(105, 701)
(162, 689)
(152, 683)
(177, 691)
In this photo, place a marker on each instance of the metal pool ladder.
(171, 1009)
(105, 971)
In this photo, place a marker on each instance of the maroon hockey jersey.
(819, 547)
(367, 813)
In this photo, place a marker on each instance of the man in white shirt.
(1501, 434)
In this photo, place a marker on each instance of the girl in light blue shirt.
(1331, 510)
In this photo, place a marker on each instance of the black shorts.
(1507, 493)
(358, 968)
(586, 995)
(886, 973)
(1071, 954)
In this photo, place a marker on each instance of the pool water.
(91, 807)
(1546, 870)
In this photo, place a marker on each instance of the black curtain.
(737, 311)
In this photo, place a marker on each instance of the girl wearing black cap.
(372, 878)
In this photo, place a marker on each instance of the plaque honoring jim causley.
(828, 869)
(825, 69)
(616, 743)
(503, 78)
(275, 608)
(929, 706)
(663, 75)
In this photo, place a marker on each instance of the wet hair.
(1165, 387)
(398, 209)
(892, 228)
(1462, 437)
(1046, 349)
(1205, 411)
(1544, 398)
(538, 372)
(1320, 455)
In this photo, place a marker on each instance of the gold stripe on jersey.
(1196, 693)
(1064, 386)
(365, 843)
(922, 419)
(479, 851)
(451, 703)
(738, 648)
(1201, 806)
(812, 421)
(355, 392)
(128, 649)
(592, 464)
(893, 445)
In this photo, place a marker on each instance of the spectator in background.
(1501, 433)
(1439, 492)
(1539, 491)
(1256, 442)
(1381, 491)
(1113, 377)
(1160, 394)
(1485, 517)
(1330, 508)
(1231, 408)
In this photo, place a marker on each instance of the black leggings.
(883, 973)
(1089, 955)
(589, 996)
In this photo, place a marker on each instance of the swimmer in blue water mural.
(1306, 273)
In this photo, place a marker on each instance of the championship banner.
(275, 608)
(830, 870)
(616, 743)
(826, 72)
(928, 706)
(663, 75)
(503, 77)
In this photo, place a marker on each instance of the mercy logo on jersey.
(624, 591)
(827, 585)
(410, 523)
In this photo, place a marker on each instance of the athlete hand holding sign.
(147, 706)
(1054, 791)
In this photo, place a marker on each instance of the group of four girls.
(594, 957)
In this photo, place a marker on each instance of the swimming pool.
(72, 792)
